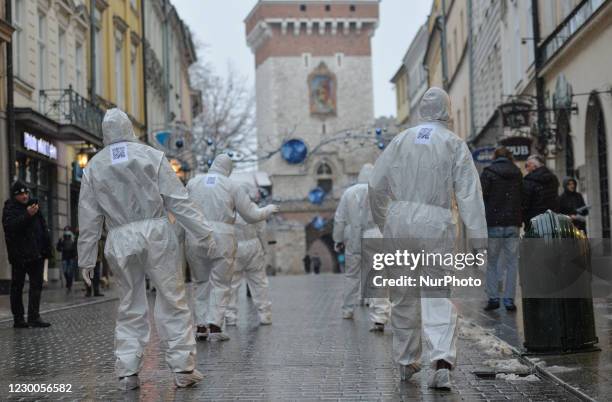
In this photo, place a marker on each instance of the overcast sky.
(219, 25)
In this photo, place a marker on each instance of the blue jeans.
(502, 256)
(68, 267)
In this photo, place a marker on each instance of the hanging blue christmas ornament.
(230, 154)
(209, 142)
(318, 223)
(209, 162)
(179, 143)
(381, 145)
(378, 131)
(294, 151)
(316, 196)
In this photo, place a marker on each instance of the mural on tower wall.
(322, 88)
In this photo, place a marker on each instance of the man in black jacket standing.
(502, 185)
(28, 244)
(540, 189)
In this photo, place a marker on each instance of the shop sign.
(483, 155)
(39, 145)
(519, 146)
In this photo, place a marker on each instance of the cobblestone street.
(309, 353)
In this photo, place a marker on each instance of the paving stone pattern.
(309, 353)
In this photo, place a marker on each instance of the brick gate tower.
(313, 82)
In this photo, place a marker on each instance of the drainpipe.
(10, 101)
(471, 67)
(92, 51)
(144, 73)
(442, 27)
(166, 61)
(539, 81)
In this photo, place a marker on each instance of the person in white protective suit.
(130, 188)
(212, 275)
(250, 265)
(351, 221)
(411, 196)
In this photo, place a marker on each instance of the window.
(99, 54)
(324, 177)
(324, 169)
(61, 54)
(134, 86)
(461, 25)
(19, 41)
(80, 74)
(119, 81)
(456, 46)
(327, 7)
(352, 7)
(42, 50)
(302, 7)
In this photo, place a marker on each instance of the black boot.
(493, 304)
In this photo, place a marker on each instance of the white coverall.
(250, 265)
(130, 188)
(222, 198)
(411, 192)
(352, 219)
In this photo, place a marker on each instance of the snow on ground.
(484, 339)
(516, 377)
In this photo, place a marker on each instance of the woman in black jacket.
(570, 201)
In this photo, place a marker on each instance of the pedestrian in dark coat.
(502, 184)
(540, 189)
(28, 244)
(67, 245)
(570, 201)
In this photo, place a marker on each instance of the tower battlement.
(291, 28)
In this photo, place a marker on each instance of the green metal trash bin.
(558, 324)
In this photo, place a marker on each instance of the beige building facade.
(53, 119)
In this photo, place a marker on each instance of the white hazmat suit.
(212, 275)
(351, 221)
(411, 195)
(250, 265)
(130, 188)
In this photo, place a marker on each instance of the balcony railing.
(66, 106)
(570, 25)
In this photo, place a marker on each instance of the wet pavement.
(55, 297)
(309, 353)
(588, 372)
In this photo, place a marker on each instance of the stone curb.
(541, 371)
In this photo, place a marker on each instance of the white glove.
(271, 209)
(87, 275)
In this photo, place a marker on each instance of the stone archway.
(598, 188)
(319, 243)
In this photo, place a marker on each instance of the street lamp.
(82, 158)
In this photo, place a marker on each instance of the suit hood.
(117, 127)
(364, 173)
(435, 106)
(222, 165)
